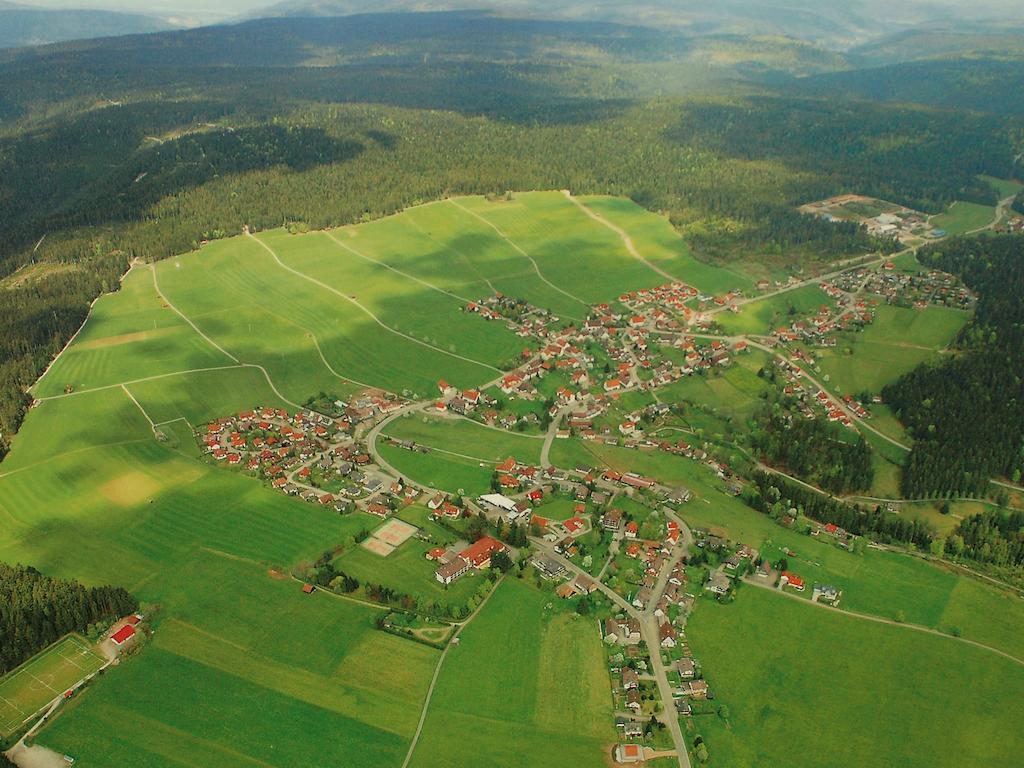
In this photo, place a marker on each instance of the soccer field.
(34, 684)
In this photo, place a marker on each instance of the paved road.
(649, 632)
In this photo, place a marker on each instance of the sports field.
(48, 674)
(526, 685)
(840, 691)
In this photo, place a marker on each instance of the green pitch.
(29, 688)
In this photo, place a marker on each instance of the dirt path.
(522, 253)
(626, 239)
(365, 310)
(437, 673)
(397, 271)
(889, 622)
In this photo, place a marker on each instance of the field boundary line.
(368, 312)
(397, 271)
(71, 453)
(138, 405)
(519, 250)
(627, 240)
(437, 674)
(457, 252)
(183, 316)
(889, 622)
(105, 387)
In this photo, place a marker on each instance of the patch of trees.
(814, 451)
(967, 414)
(1018, 203)
(776, 496)
(993, 537)
(37, 610)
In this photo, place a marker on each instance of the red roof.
(479, 553)
(123, 634)
(133, 620)
(573, 524)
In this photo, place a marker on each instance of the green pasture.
(562, 240)
(526, 685)
(962, 217)
(308, 337)
(765, 315)
(660, 244)
(1004, 187)
(131, 334)
(732, 393)
(880, 583)
(236, 646)
(460, 435)
(31, 686)
(895, 343)
(840, 691)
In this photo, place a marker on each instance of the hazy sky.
(212, 10)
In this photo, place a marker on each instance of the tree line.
(777, 497)
(967, 414)
(37, 610)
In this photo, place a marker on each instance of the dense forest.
(36, 610)
(776, 496)
(814, 451)
(967, 414)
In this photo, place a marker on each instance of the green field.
(876, 582)
(765, 315)
(840, 691)
(378, 304)
(963, 217)
(407, 568)
(31, 686)
(1004, 187)
(660, 244)
(463, 453)
(894, 344)
(526, 685)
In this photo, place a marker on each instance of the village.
(602, 537)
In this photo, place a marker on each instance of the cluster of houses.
(919, 290)
(522, 317)
(820, 328)
(306, 453)
(807, 398)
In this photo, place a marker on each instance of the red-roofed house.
(479, 554)
(124, 634)
(574, 525)
(793, 580)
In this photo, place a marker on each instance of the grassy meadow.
(765, 315)
(898, 341)
(962, 217)
(526, 685)
(876, 582)
(840, 691)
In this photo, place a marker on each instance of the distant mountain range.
(834, 25)
(23, 25)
